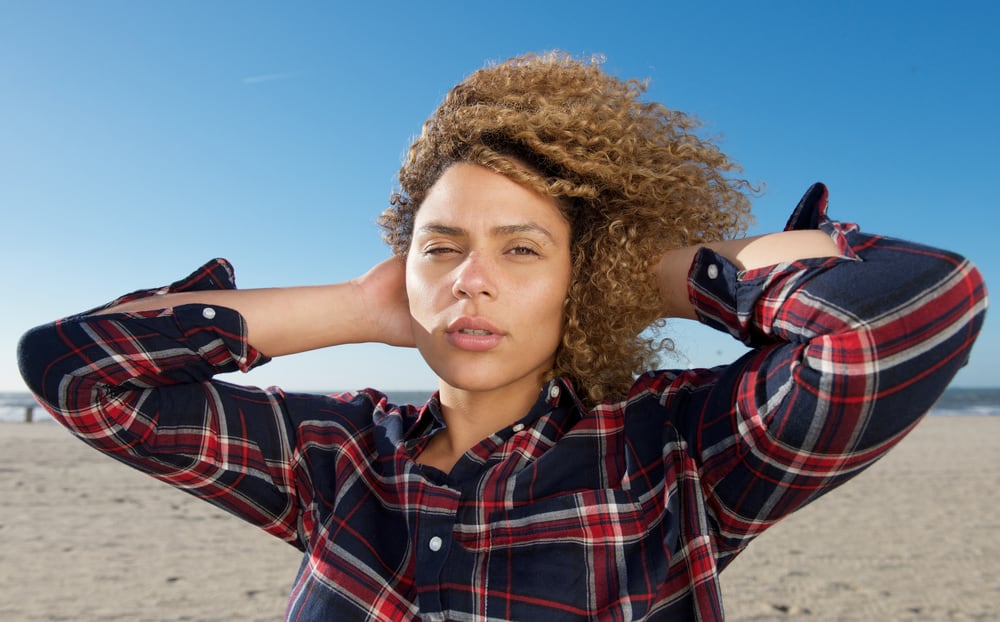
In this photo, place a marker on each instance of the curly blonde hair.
(632, 178)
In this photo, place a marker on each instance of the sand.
(917, 537)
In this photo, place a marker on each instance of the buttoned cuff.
(218, 334)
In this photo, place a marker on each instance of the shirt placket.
(436, 513)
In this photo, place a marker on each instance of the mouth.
(474, 331)
(475, 326)
(474, 334)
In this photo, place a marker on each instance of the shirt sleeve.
(139, 387)
(847, 354)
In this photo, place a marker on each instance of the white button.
(554, 391)
(518, 427)
(208, 313)
(435, 544)
(713, 271)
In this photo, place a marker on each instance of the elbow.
(36, 358)
(52, 371)
(71, 383)
(980, 295)
(969, 311)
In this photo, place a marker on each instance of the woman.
(547, 216)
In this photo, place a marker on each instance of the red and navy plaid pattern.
(625, 511)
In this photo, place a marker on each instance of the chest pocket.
(583, 492)
(589, 518)
(592, 551)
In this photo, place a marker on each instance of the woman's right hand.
(382, 291)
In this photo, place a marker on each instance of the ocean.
(955, 401)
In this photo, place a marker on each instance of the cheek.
(559, 300)
(550, 302)
(423, 291)
(414, 289)
(416, 282)
(412, 285)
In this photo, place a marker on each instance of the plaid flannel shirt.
(625, 511)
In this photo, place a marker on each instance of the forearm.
(280, 320)
(747, 254)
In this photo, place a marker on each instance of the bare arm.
(672, 269)
(369, 308)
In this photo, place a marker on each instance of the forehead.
(468, 195)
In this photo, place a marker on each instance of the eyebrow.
(499, 231)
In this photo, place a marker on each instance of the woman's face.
(487, 274)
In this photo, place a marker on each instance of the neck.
(471, 416)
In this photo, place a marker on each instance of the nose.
(474, 278)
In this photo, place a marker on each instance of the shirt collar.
(558, 392)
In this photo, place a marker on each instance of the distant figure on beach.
(548, 220)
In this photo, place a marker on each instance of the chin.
(473, 383)
(479, 373)
(490, 379)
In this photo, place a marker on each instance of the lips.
(473, 325)
(473, 334)
(474, 331)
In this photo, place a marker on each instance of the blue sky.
(138, 139)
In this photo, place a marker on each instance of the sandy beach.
(917, 537)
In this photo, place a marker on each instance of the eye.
(523, 251)
(439, 250)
